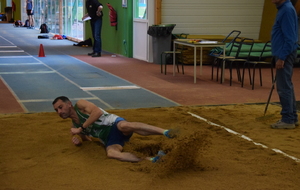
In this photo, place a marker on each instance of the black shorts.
(30, 13)
(115, 136)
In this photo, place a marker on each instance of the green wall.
(17, 13)
(116, 39)
(3, 5)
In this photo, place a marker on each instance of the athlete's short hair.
(62, 98)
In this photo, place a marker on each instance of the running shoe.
(160, 154)
(171, 133)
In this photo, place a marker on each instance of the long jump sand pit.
(37, 153)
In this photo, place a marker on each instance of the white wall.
(214, 17)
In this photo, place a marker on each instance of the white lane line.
(17, 64)
(34, 72)
(7, 40)
(244, 137)
(109, 88)
(11, 51)
(50, 100)
(21, 56)
(8, 46)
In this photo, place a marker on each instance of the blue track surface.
(36, 81)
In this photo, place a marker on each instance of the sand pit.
(37, 153)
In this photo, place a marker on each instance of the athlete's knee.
(113, 154)
(114, 151)
(126, 127)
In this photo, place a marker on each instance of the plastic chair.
(262, 56)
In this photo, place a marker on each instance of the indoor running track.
(36, 81)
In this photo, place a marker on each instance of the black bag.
(43, 37)
(44, 28)
(18, 23)
(87, 42)
(26, 23)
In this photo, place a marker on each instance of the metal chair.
(217, 53)
(260, 60)
(168, 55)
(239, 45)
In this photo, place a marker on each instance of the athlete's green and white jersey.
(100, 128)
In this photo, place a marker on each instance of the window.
(140, 11)
(47, 11)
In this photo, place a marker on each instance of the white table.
(195, 46)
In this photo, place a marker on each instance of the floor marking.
(34, 72)
(21, 56)
(109, 88)
(127, 81)
(17, 64)
(50, 100)
(244, 137)
(74, 83)
(10, 51)
(8, 46)
(7, 40)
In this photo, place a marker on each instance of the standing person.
(94, 10)
(113, 131)
(284, 49)
(29, 9)
(44, 11)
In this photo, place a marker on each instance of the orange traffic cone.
(41, 51)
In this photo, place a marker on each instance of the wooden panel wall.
(268, 18)
(157, 19)
(215, 17)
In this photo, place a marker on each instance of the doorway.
(142, 18)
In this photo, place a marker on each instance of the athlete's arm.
(75, 136)
(91, 109)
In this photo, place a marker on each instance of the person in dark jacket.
(94, 11)
(284, 49)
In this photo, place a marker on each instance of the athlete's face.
(62, 108)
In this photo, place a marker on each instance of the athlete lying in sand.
(113, 131)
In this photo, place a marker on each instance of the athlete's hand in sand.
(75, 131)
(76, 140)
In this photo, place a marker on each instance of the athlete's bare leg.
(115, 152)
(128, 128)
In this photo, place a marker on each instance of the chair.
(217, 53)
(168, 55)
(238, 48)
(260, 60)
